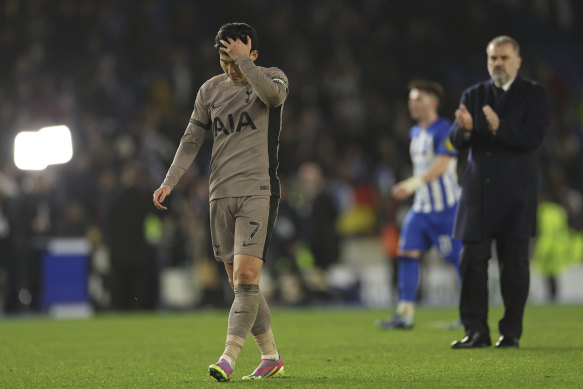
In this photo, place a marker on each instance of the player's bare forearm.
(437, 168)
(407, 187)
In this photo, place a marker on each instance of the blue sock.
(408, 278)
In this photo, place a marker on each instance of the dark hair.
(431, 87)
(236, 30)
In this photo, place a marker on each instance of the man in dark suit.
(503, 122)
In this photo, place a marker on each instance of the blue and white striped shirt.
(426, 144)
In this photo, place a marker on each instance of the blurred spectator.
(558, 247)
(9, 269)
(38, 213)
(134, 278)
(282, 261)
(312, 224)
(318, 216)
(74, 221)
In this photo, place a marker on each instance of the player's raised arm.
(271, 87)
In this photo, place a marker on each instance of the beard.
(500, 77)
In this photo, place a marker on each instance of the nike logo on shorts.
(245, 244)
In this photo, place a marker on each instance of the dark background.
(123, 76)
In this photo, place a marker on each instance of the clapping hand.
(492, 118)
(463, 117)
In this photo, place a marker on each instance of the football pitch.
(321, 348)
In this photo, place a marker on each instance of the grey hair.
(503, 40)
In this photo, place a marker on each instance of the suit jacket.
(500, 181)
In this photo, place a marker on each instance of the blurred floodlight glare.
(57, 142)
(35, 150)
(28, 151)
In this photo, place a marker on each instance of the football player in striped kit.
(434, 184)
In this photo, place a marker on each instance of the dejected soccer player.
(434, 183)
(243, 109)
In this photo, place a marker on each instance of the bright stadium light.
(57, 142)
(28, 151)
(35, 150)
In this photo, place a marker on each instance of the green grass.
(322, 348)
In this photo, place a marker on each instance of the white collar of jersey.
(508, 84)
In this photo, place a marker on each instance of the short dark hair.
(236, 30)
(504, 40)
(431, 87)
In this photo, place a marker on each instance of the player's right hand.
(399, 192)
(407, 187)
(160, 195)
(463, 117)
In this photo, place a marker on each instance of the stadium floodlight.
(35, 150)
(28, 151)
(57, 141)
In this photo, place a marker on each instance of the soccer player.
(243, 109)
(434, 183)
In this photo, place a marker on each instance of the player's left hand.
(492, 118)
(236, 48)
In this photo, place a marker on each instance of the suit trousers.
(514, 284)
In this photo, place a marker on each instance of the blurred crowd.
(123, 76)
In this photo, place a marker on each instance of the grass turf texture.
(322, 348)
